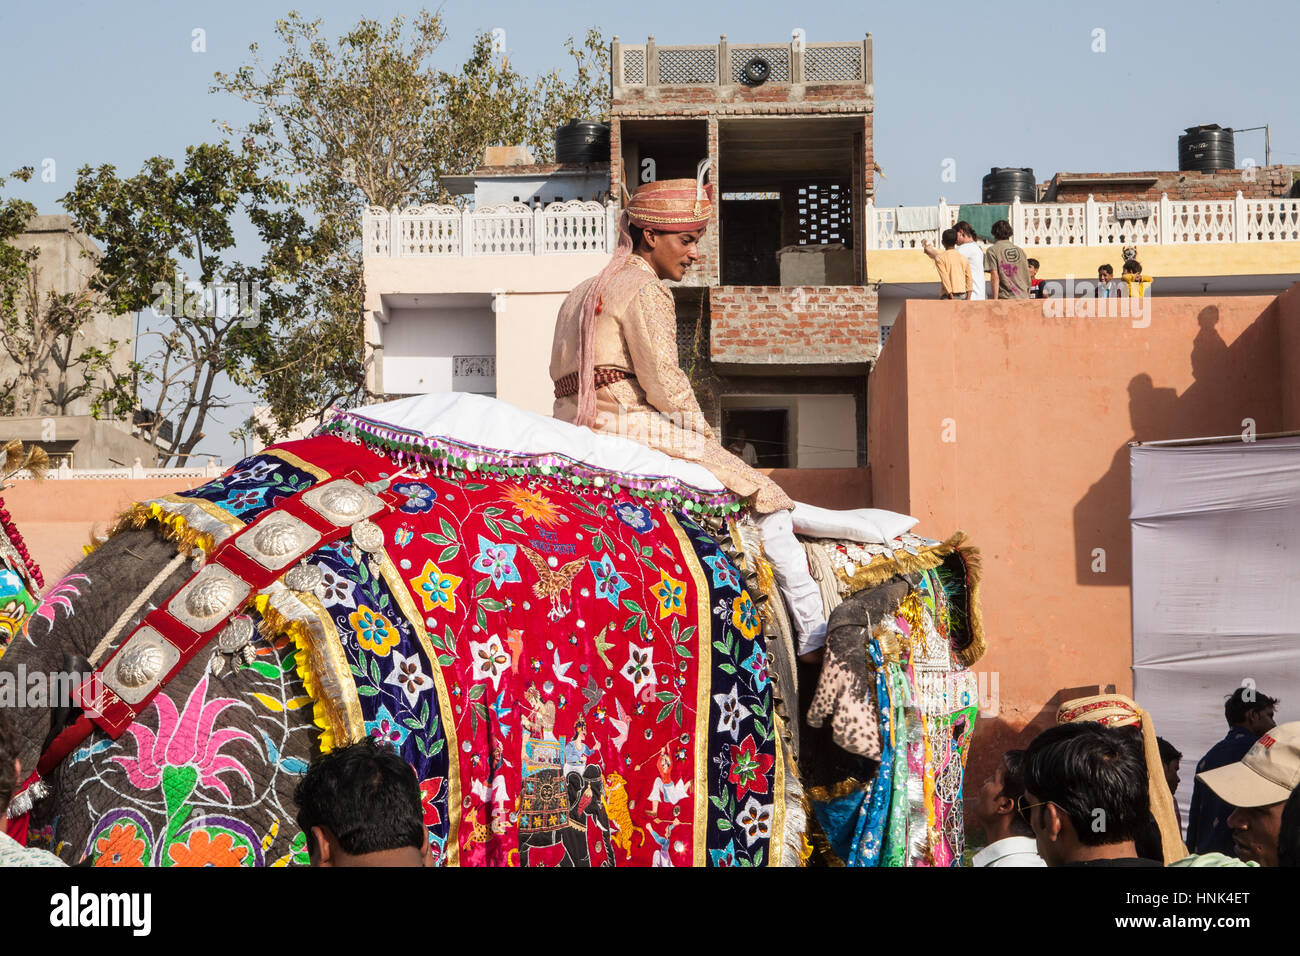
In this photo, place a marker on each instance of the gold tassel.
(37, 462)
(173, 527)
(273, 623)
(13, 451)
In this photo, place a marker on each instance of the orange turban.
(1116, 710)
(670, 205)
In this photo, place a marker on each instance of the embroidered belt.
(568, 385)
(205, 607)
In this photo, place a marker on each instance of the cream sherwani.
(636, 331)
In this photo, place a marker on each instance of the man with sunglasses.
(1085, 796)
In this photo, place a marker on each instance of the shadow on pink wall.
(1013, 425)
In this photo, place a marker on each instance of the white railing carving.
(213, 469)
(429, 231)
(573, 226)
(1092, 223)
(505, 229)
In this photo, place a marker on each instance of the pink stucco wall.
(55, 518)
(1013, 425)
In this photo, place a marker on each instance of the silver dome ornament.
(138, 667)
(304, 577)
(209, 597)
(368, 536)
(235, 634)
(342, 502)
(277, 540)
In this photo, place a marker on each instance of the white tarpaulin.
(1216, 585)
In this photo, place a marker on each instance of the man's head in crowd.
(995, 803)
(1085, 793)
(965, 232)
(360, 806)
(949, 238)
(1251, 710)
(1002, 230)
(1169, 760)
(1033, 269)
(1105, 273)
(1258, 787)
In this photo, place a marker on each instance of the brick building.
(777, 326)
(1262, 182)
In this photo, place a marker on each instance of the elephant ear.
(960, 576)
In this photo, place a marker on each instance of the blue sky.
(1007, 84)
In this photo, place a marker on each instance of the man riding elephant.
(615, 366)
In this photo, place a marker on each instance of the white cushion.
(868, 525)
(490, 423)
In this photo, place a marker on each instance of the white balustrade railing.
(883, 228)
(429, 231)
(1267, 220)
(1053, 224)
(505, 229)
(1092, 223)
(213, 469)
(574, 226)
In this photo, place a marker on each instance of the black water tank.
(583, 142)
(1206, 147)
(1005, 183)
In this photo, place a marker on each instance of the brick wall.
(1266, 182)
(801, 325)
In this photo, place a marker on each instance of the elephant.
(520, 629)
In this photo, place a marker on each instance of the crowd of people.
(1003, 270)
(1091, 791)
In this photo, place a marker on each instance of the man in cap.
(1258, 787)
(1249, 713)
(615, 367)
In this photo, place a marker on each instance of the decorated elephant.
(583, 658)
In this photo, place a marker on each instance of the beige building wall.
(527, 292)
(64, 269)
(525, 327)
